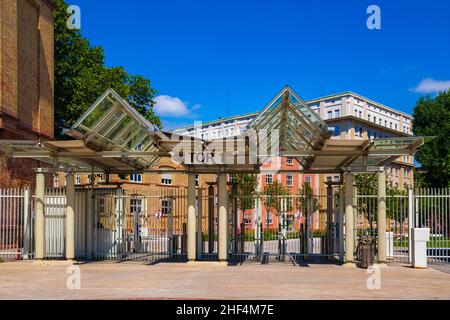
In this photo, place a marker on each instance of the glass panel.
(98, 113)
(111, 123)
(121, 125)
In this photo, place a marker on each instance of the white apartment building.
(348, 115)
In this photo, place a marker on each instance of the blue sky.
(211, 59)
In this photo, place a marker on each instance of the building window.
(368, 117)
(77, 179)
(375, 119)
(337, 113)
(247, 219)
(166, 179)
(360, 114)
(102, 177)
(289, 180)
(269, 178)
(308, 180)
(330, 114)
(290, 161)
(269, 218)
(166, 207)
(337, 178)
(337, 131)
(135, 205)
(136, 177)
(197, 180)
(56, 180)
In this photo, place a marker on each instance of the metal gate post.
(89, 222)
(26, 224)
(411, 222)
(381, 217)
(341, 225)
(309, 227)
(199, 226)
(118, 232)
(170, 235)
(234, 202)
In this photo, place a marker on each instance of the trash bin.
(367, 255)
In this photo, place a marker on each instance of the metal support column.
(381, 217)
(26, 224)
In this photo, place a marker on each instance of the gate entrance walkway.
(23, 280)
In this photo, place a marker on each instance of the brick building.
(26, 81)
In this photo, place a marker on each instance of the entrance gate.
(143, 225)
(295, 228)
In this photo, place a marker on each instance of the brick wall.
(26, 81)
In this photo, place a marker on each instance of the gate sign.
(143, 232)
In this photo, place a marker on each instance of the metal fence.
(293, 228)
(419, 208)
(15, 224)
(432, 210)
(150, 224)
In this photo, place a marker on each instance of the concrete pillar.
(191, 227)
(70, 217)
(39, 231)
(381, 217)
(223, 217)
(349, 221)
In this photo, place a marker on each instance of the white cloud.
(170, 107)
(167, 106)
(430, 85)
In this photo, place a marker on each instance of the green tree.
(432, 118)
(307, 199)
(274, 194)
(81, 76)
(247, 185)
(367, 185)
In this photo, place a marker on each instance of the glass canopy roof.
(112, 124)
(111, 136)
(299, 127)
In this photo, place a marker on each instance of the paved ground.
(25, 280)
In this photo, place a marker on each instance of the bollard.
(420, 237)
